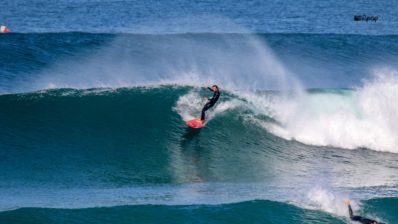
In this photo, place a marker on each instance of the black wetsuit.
(360, 218)
(210, 103)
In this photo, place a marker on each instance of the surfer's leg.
(202, 116)
(206, 107)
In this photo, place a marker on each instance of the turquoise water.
(252, 212)
(81, 149)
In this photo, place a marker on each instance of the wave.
(347, 118)
(130, 139)
(252, 211)
(75, 131)
(249, 211)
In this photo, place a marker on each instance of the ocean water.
(94, 96)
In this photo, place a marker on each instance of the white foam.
(329, 202)
(365, 117)
(189, 105)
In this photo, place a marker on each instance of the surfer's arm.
(348, 203)
(208, 98)
(208, 88)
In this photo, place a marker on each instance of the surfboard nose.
(196, 123)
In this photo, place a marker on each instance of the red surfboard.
(196, 123)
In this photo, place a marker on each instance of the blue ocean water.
(178, 16)
(94, 96)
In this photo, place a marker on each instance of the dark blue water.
(94, 96)
(203, 16)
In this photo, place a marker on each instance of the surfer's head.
(215, 88)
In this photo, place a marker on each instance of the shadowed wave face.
(253, 211)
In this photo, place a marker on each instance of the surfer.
(359, 218)
(210, 103)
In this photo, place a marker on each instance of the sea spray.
(233, 61)
(328, 201)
